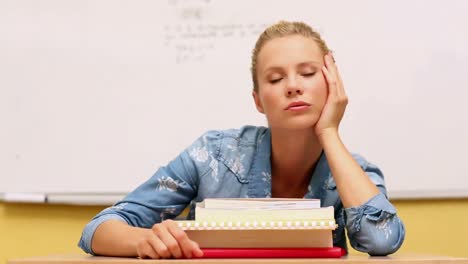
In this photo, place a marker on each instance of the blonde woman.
(297, 86)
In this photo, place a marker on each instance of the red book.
(333, 252)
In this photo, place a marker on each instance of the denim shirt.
(236, 163)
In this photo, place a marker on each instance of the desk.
(85, 259)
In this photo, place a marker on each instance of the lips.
(297, 105)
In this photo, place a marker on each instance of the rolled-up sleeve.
(375, 227)
(90, 228)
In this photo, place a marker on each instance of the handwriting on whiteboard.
(192, 36)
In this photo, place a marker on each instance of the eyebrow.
(302, 64)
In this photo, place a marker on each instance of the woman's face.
(292, 88)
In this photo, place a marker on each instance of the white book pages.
(259, 203)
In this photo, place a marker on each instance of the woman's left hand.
(335, 106)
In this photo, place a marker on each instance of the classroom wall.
(433, 226)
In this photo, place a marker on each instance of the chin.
(297, 123)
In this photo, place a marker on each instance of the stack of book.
(275, 227)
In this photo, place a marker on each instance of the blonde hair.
(283, 29)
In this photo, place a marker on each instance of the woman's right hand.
(167, 240)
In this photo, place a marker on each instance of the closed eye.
(309, 74)
(275, 80)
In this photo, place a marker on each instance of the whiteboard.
(95, 96)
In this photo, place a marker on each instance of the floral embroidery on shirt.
(214, 169)
(237, 166)
(167, 183)
(266, 176)
(169, 211)
(385, 227)
(231, 147)
(199, 154)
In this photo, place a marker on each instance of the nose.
(292, 87)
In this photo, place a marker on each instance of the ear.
(258, 102)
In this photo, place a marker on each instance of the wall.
(433, 226)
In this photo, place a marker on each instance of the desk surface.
(85, 259)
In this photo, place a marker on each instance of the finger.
(331, 82)
(330, 63)
(145, 250)
(332, 72)
(159, 247)
(166, 237)
(339, 83)
(197, 252)
(334, 69)
(184, 241)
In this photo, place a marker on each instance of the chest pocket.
(237, 169)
